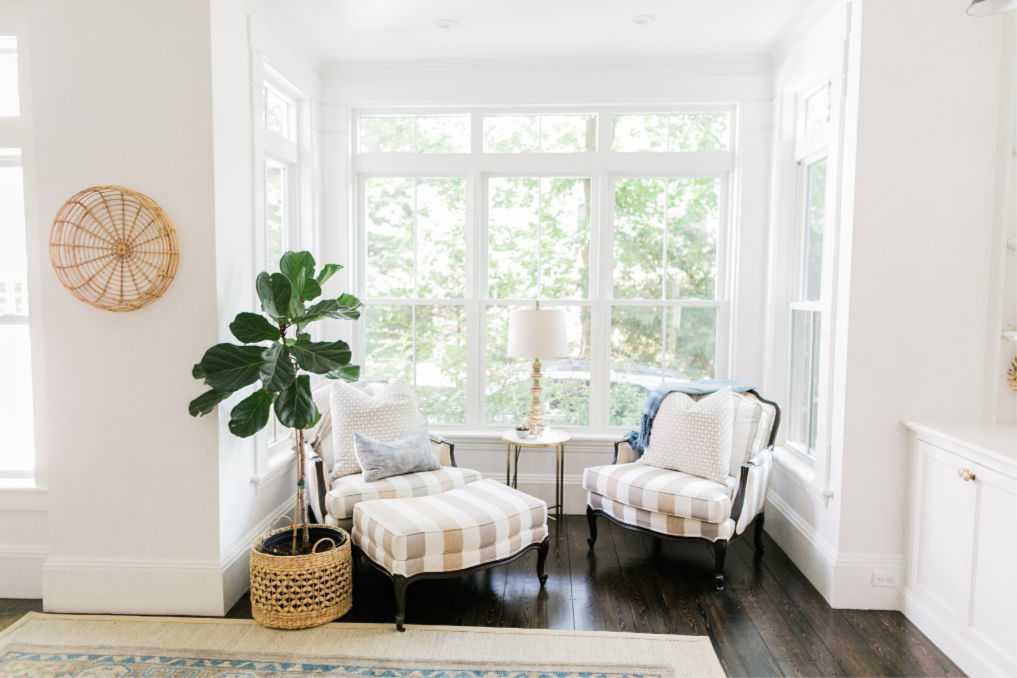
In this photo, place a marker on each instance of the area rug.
(173, 647)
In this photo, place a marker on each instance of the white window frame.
(273, 444)
(604, 167)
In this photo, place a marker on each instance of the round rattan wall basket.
(113, 248)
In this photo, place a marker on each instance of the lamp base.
(536, 421)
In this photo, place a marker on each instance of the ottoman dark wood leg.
(758, 535)
(541, 559)
(719, 552)
(399, 584)
(591, 519)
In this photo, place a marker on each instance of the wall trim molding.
(235, 564)
(807, 549)
(22, 568)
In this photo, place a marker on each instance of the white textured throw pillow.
(693, 436)
(380, 410)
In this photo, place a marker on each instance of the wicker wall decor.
(113, 248)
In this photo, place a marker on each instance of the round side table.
(515, 441)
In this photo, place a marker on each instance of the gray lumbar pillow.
(408, 454)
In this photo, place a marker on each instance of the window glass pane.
(691, 343)
(513, 237)
(636, 344)
(441, 238)
(568, 133)
(511, 134)
(385, 134)
(276, 190)
(815, 216)
(804, 396)
(389, 231)
(17, 453)
(278, 112)
(700, 131)
(565, 382)
(13, 261)
(632, 133)
(564, 238)
(9, 76)
(443, 134)
(440, 363)
(692, 223)
(388, 339)
(817, 110)
(639, 238)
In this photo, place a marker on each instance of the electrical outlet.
(884, 578)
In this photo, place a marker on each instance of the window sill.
(21, 494)
(278, 462)
(801, 470)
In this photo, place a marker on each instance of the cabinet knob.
(965, 474)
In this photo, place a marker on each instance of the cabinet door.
(940, 572)
(993, 613)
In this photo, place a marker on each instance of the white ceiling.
(395, 30)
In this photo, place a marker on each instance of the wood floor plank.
(769, 620)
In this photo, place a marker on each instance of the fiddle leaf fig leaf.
(346, 306)
(228, 367)
(321, 357)
(326, 272)
(295, 406)
(349, 307)
(198, 372)
(277, 372)
(312, 290)
(298, 267)
(274, 291)
(251, 414)
(251, 328)
(207, 402)
(346, 373)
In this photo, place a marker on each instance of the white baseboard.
(541, 485)
(121, 586)
(970, 660)
(21, 568)
(813, 555)
(845, 580)
(236, 565)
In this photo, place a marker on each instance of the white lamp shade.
(537, 334)
(988, 7)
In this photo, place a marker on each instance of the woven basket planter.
(298, 592)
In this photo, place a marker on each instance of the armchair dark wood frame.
(319, 471)
(719, 545)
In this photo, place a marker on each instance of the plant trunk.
(299, 517)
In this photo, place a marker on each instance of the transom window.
(617, 218)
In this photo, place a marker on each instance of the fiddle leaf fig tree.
(277, 360)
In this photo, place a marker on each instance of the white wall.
(132, 478)
(917, 219)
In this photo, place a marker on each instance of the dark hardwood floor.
(768, 621)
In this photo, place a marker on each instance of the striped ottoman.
(471, 528)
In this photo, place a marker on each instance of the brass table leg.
(508, 463)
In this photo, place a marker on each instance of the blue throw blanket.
(641, 438)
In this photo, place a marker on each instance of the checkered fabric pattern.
(348, 491)
(662, 490)
(663, 523)
(479, 523)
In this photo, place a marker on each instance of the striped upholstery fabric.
(472, 525)
(348, 491)
(661, 490)
(663, 523)
(755, 488)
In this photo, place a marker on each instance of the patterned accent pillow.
(408, 454)
(381, 410)
(693, 436)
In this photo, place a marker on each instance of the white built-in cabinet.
(961, 577)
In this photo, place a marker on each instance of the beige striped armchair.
(675, 505)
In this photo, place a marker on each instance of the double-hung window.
(616, 217)
(17, 453)
(806, 309)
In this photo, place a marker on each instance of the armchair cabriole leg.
(399, 584)
(719, 552)
(591, 519)
(541, 559)
(758, 534)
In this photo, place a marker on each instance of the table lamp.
(536, 334)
